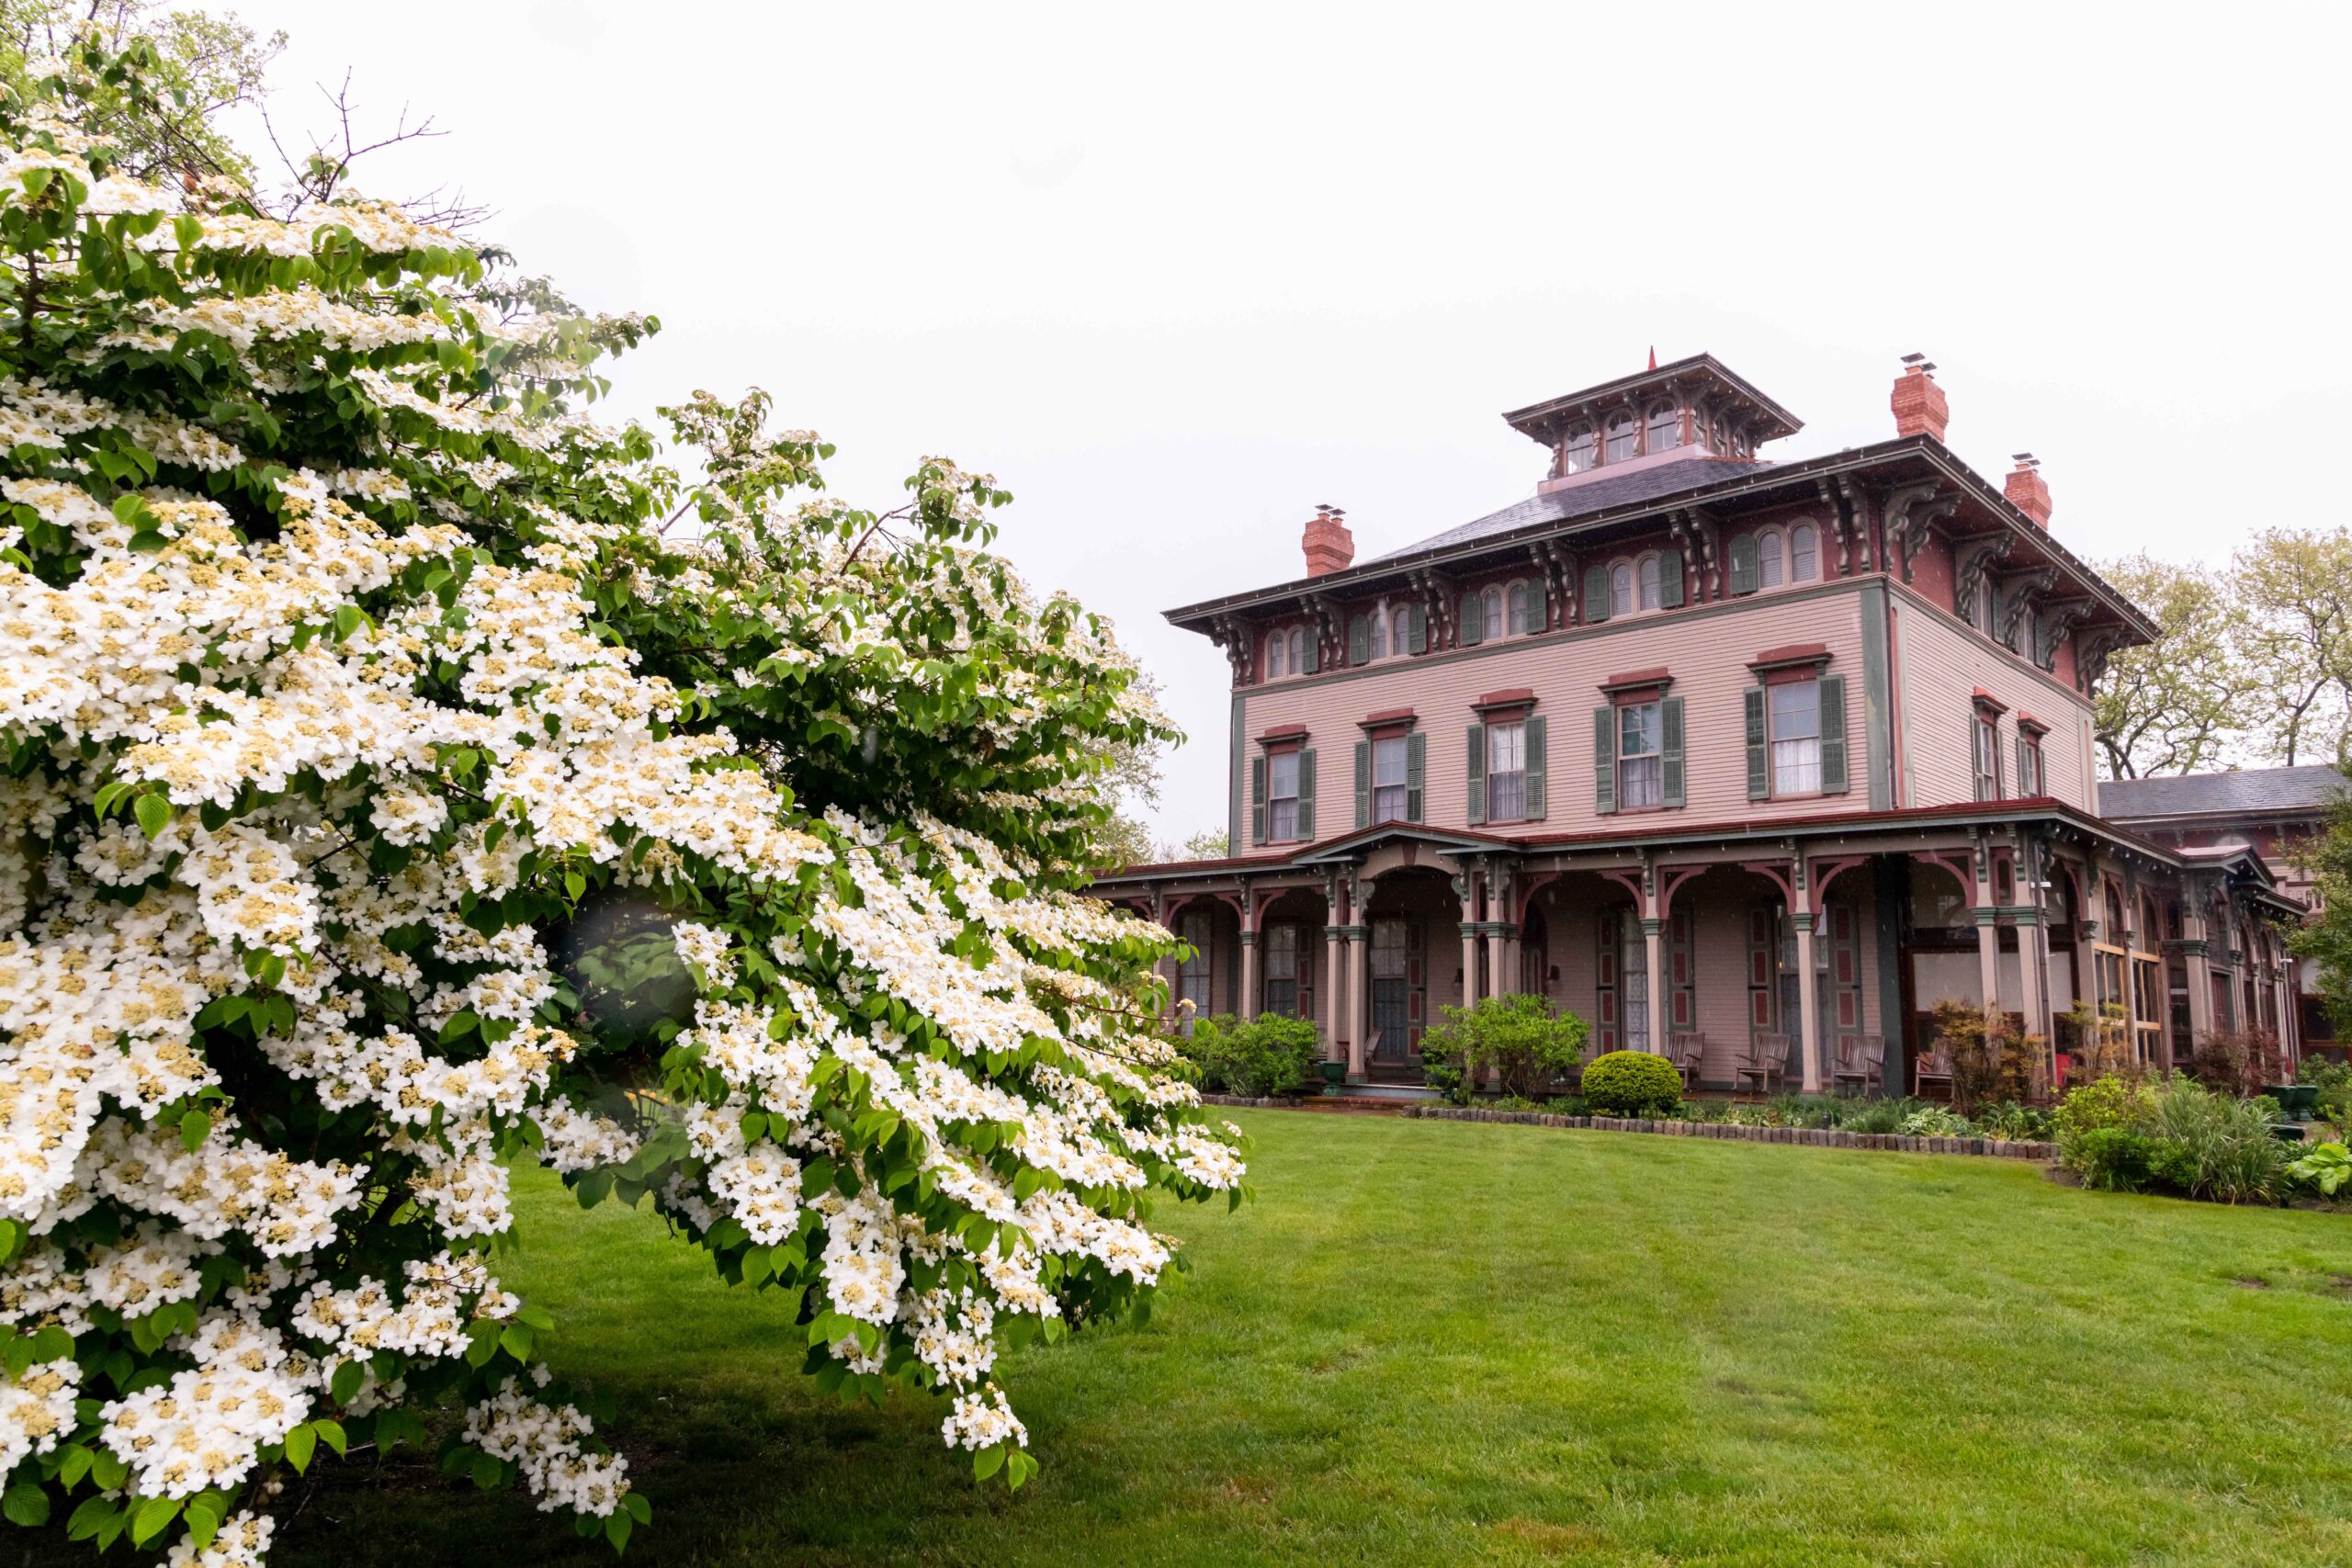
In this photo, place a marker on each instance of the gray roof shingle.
(2310, 787)
(1593, 496)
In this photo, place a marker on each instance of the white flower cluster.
(545, 1443)
(36, 1410)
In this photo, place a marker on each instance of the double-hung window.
(1989, 755)
(1282, 797)
(2029, 782)
(1282, 968)
(1506, 771)
(1620, 590)
(1193, 974)
(1378, 633)
(1641, 763)
(1796, 737)
(1388, 779)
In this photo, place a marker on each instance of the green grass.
(1434, 1342)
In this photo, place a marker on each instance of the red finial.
(1653, 356)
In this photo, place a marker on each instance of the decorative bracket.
(1972, 571)
(2021, 594)
(1911, 510)
(2063, 616)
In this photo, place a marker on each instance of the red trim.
(1387, 716)
(1985, 699)
(1794, 653)
(1287, 732)
(1509, 698)
(1633, 696)
(1657, 677)
(2033, 728)
(1788, 674)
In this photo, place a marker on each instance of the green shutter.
(1536, 768)
(1476, 749)
(1669, 723)
(1418, 632)
(1359, 639)
(1314, 651)
(1596, 594)
(1473, 622)
(1257, 800)
(1833, 735)
(1306, 796)
(1743, 563)
(1605, 760)
(1759, 769)
(2022, 770)
(1363, 785)
(1414, 758)
(1670, 580)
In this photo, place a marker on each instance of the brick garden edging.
(1812, 1137)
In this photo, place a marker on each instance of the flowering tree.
(406, 777)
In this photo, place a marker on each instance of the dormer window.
(1624, 434)
(1576, 454)
(1665, 428)
(1288, 652)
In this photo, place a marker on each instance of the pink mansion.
(1741, 758)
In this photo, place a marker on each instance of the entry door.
(1391, 989)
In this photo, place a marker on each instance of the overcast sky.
(1176, 275)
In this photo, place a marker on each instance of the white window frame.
(1620, 589)
(1490, 612)
(1517, 590)
(1793, 757)
(1812, 573)
(1632, 435)
(1278, 654)
(1984, 752)
(1389, 778)
(1673, 427)
(1771, 559)
(1590, 456)
(1648, 594)
(1281, 829)
(1400, 631)
(1507, 786)
(1377, 637)
(1641, 775)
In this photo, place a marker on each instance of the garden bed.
(1815, 1137)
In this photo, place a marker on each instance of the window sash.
(1640, 780)
(1649, 583)
(1768, 561)
(1623, 432)
(1490, 611)
(1805, 556)
(1796, 709)
(1620, 591)
(1377, 643)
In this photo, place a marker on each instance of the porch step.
(1387, 1093)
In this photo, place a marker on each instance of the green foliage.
(2238, 1061)
(1632, 1083)
(1936, 1121)
(1990, 1060)
(1525, 1041)
(2327, 936)
(2109, 1101)
(1271, 1055)
(2324, 1166)
(2217, 1147)
(1442, 1073)
(2333, 1081)
(2110, 1160)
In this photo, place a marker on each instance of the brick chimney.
(1330, 547)
(2026, 488)
(1918, 403)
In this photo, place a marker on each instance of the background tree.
(2294, 594)
(2175, 705)
(2327, 935)
(1209, 844)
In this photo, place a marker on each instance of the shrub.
(2108, 1101)
(1880, 1115)
(2240, 1062)
(2019, 1123)
(1990, 1059)
(1443, 1074)
(1271, 1055)
(2217, 1146)
(1632, 1083)
(2102, 1038)
(1935, 1122)
(2333, 1081)
(2110, 1160)
(2324, 1166)
(1525, 1040)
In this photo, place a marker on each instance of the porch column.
(1988, 956)
(1469, 942)
(1654, 960)
(1359, 1008)
(1335, 1027)
(1808, 1004)
(2195, 947)
(1498, 964)
(1249, 1005)
(2032, 972)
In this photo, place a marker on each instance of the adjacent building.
(1743, 759)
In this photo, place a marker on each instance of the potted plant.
(1334, 1074)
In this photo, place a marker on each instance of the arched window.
(1576, 454)
(1379, 646)
(1518, 621)
(1624, 432)
(1298, 650)
(1490, 610)
(1277, 656)
(1665, 428)
(1400, 629)
(1620, 590)
(1804, 553)
(1769, 573)
(1648, 570)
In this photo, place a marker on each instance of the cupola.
(1692, 407)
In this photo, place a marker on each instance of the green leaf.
(154, 813)
(331, 1433)
(348, 1378)
(194, 1128)
(988, 1461)
(488, 1472)
(152, 1516)
(26, 1503)
(300, 1444)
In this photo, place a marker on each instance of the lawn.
(1441, 1342)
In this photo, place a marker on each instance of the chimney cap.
(1915, 359)
(2025, 460)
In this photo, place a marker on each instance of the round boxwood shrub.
(1632, 1083)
